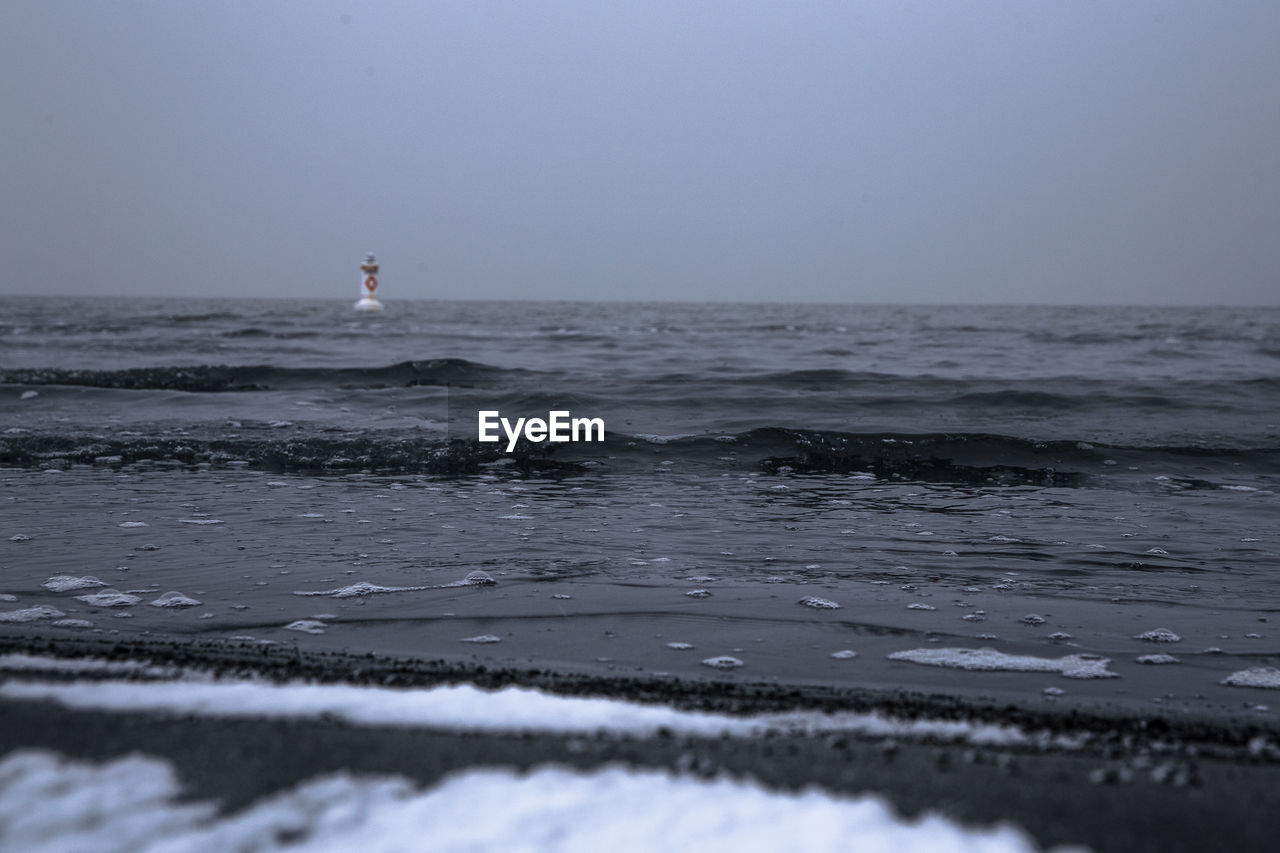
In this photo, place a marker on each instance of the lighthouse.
(368, 284)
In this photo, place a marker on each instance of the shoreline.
(1234, 737)
(1134, 788)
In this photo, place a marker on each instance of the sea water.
(870, 496)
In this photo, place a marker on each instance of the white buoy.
(368, 284)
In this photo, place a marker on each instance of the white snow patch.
(468, 708)
(990, 660)
(18, 662)
(52, 803)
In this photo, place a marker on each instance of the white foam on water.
(109, 598)
(844, 654)
(4, 596)
(483, 639)
(68, 583)
(474, 578)
(31, 614)
(362, 588)
(680, 646)
(51, 803)
(128, 524)
(819, 603)
(71, 623)
(1158, 635)
(1157, 660)
(723, 662)
(173, 598)
(1258, 676)
(307, 626)
(663, 439)
(200, 521)
(990, 660)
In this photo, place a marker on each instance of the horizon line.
(672, 301)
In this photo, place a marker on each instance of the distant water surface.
(1045, 482)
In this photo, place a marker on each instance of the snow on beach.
(467, 708)
(49, 803)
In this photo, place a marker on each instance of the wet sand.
(1134, 783)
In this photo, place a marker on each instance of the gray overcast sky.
(1021, 151)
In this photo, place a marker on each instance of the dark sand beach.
(1126, 782)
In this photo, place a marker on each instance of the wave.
(215, 378)
(961, 458)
